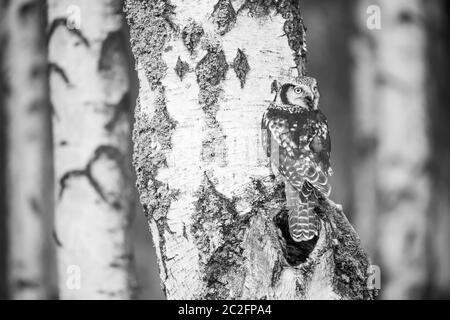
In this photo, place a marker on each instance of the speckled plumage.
(297, 141)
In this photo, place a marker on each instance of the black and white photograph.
(232, 150)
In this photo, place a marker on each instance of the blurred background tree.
(393, 144)
(26, 125)
(95, 198)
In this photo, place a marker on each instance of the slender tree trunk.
(214, 209)
(392, 181)
(438, 13)
(90, 88)
(29, 151)
(3, 159)
(365, 130)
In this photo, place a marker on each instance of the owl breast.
(300, 134)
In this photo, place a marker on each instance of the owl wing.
(320, 144)
(278, 131)
(296, 134)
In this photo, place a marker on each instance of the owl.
(296, 139)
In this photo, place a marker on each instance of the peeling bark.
(90, 91)
(216, 213)
(29, 175)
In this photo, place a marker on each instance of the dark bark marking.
(66, 177)
(56, 238)
(191, 35)
(122, 261)
(109, 152)
(112, 51)
(37, 106)
(181, 68)
(35, 206)
(211, 69)
(162, 247)
(366, 146)
(276, 272)
(151, 26)
(113, 67)
(241, 66)
(116, 201)
(152, 139)
(407, 17)
(214, 142)
(110, 294)
(31, 8)
(185, 232)
(63, 22)
(113, 62)
(23, 284)
(115, 265)
(39, 71)
(224, 16)
(220, 264)
(53, 110)
(119, 109)
(294, 28)
(54, 67)
(351, 262)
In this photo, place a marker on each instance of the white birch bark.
(205, 70)
(29, 151)
(90, 92)
(392, 184)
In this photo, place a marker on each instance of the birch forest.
(135, 162)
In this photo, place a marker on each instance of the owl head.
(304, 93)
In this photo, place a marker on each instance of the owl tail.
(303, 221)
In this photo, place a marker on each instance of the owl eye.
(298, 90)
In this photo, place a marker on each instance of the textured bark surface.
(392, 180)
(29, 151)
(90, 93)
(215, 211)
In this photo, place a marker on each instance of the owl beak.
(309, 99)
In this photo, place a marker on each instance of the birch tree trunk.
(392, 181)
(215, 212)
(90, 92)
(3, 159)
(29, 151)
(438, 13)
